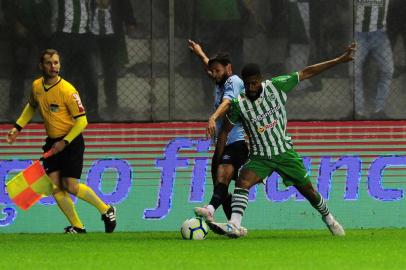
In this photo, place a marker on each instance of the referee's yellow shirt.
(58, 105)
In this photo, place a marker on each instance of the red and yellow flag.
(29, 186)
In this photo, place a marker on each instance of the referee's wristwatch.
(66, 142)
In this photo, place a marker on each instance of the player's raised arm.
(198, 51)
(313, 70)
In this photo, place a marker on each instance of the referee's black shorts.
(235, 153)
(69, 162)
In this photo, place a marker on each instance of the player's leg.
(226, 173)
(382, 52)
(237, 157)
(318, 203)
(252, 173)
(66, 205)
(220, 189)
(62, 198)
(84, 192)
(223, 174)
(239, 203)
(360, 57)
(235, 154)
(290, 167)
(71, 169)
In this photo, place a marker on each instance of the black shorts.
(235, 154)
(69, 162)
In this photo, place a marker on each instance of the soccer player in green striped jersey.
(263, 115)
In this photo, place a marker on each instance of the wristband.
(18, 127)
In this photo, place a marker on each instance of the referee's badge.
(54, 108)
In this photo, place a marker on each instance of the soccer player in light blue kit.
(225, 166)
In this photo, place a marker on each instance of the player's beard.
(222, 80)
(251, 96)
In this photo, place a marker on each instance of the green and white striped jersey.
(371, 15)
(264, 119)
(73, 16)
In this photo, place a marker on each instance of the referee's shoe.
(109, 220)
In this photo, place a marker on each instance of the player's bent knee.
(247, 179)
(71, 186)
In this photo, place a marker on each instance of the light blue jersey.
(231, 89)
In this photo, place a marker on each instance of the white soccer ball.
(194, 229)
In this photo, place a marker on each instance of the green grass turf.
(360, 249)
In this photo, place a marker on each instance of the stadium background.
(163, 82)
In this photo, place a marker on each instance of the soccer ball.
(194, 229)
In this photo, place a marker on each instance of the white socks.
(211, 209)
(329, 219)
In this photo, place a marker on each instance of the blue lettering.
(168, 164)
(199, 173)
(375, 188)
(327, 168)
(10, 215)
(123, 184)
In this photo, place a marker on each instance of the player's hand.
(59, 146)
(195, 47)
(349, 53)
(12, 135)
(211, 128)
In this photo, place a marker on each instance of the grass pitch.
(360, 249)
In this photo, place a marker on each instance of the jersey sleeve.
(234, 114)
(74, 104)
(229, 90)
(287, 82)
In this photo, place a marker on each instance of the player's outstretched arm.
(198, 51)
(313, 70)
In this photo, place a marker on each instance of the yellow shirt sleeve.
(78, 127)
(26, 116)
(75, 105)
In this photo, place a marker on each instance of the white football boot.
(335, 228)
(229, 229)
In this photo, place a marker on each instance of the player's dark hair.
(250, 70)
(47, 52)
(221, 57)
